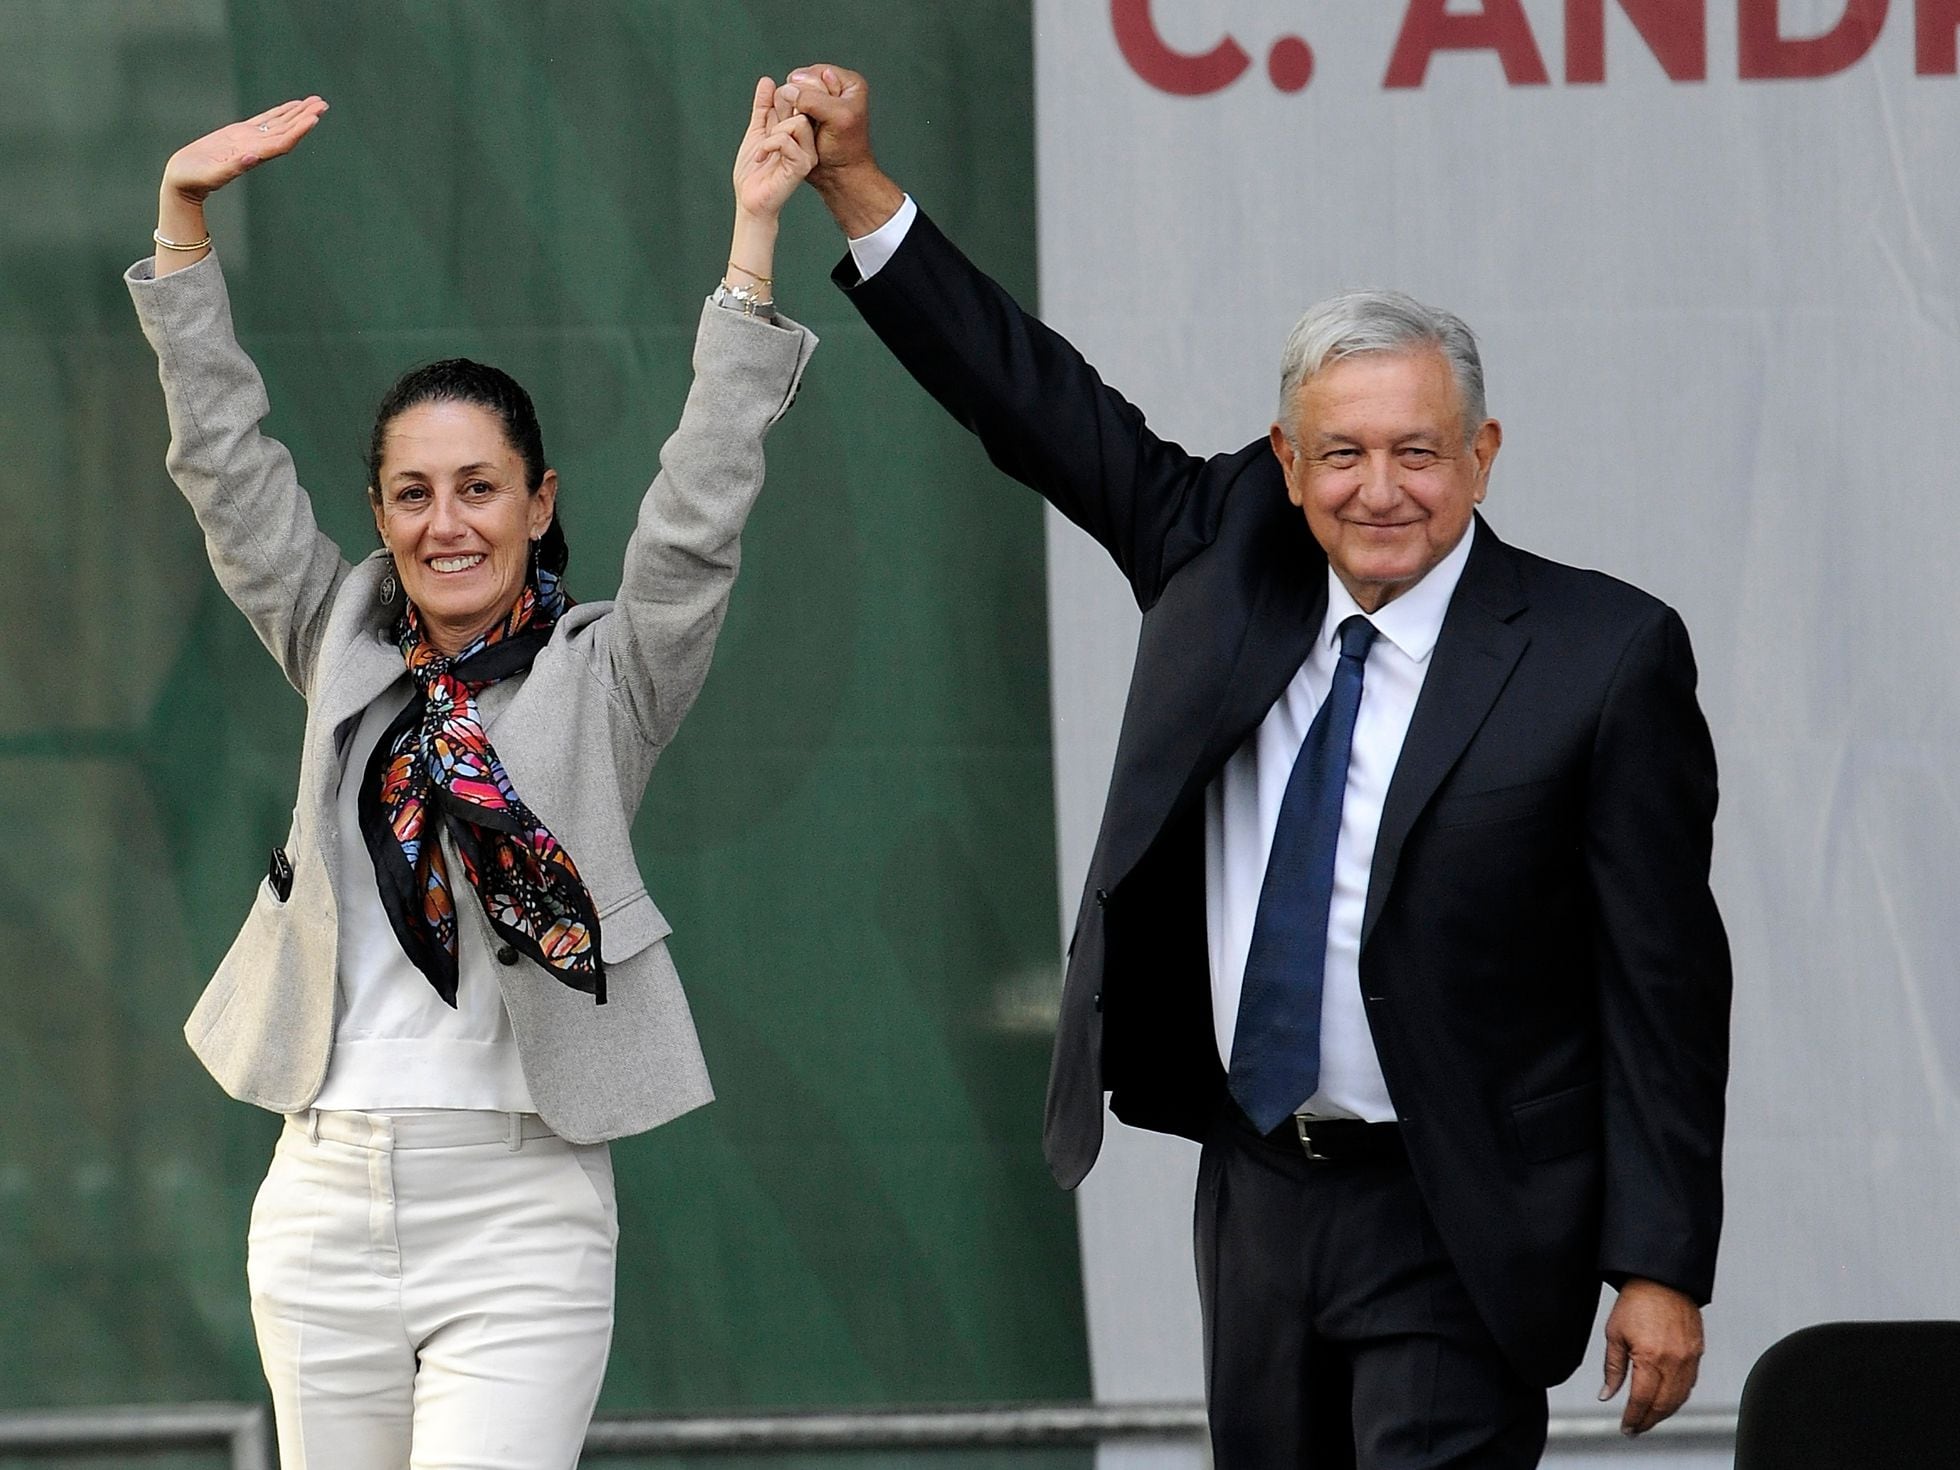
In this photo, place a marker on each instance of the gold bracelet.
(157, 235)
(756, 275)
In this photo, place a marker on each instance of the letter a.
(1500, 26)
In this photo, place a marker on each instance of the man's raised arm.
(1042, 412)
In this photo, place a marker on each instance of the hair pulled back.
(459, 380)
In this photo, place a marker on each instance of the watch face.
(743, 298)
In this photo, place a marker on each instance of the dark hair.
(458, 380)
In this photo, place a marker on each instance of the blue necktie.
(1276, 1048)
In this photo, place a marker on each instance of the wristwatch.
(745, 299)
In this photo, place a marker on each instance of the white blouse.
(396, 1044)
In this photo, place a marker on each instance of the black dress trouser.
(1337, 1332)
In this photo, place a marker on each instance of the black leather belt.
(1336, 1140)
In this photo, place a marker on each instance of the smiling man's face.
(1383, 469)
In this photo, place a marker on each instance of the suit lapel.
(368, 665)
(1287, 609)
(356, 674)
(1285, 622)
(492, 702)
(1475, 654)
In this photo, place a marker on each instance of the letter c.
(1177, 72)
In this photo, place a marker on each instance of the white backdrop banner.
(1710, 248)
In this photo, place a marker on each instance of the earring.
(390, 585)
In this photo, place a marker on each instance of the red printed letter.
(1176, 72)
(1676, 31)
(1501, 27)
(1938, 20)
(1765, 55)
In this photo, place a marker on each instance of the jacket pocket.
(1499, 804)
(628, 925)
(1558, 1124)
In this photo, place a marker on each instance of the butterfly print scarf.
(434, 767)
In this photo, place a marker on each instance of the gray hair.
(1378, 321)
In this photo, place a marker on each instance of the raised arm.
(270, 557)
(1042, 413)
(748, 360)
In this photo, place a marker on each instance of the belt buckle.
(1301, 1132)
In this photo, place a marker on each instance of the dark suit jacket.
(1545, 972)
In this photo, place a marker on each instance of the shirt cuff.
(870, 252)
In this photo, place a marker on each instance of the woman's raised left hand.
(205, 165)
(202, 167)
(777, 154)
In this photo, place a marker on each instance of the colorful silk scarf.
(435, 766)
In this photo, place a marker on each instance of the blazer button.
(1098, 1001)
(506, 954)
(1102, 898)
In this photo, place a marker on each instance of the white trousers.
(432, 1291)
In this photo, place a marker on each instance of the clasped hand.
(776, 155)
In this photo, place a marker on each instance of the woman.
(453, 981)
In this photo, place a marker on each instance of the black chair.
(1853, 1396)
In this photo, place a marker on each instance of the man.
(1400, 904)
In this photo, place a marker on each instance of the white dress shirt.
(396, 1044)
(1242, 809)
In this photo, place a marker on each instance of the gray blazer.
(579, 733)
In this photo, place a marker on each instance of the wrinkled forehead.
(1404, 382)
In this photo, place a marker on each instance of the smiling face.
(454, 511)
(1383, 469)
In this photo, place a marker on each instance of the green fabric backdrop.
(853, 834)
